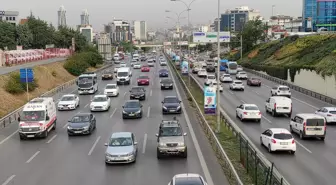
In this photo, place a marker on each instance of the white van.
(116, 58)
(124, 75)
(308, 125)
(277, 105)
(38, 118)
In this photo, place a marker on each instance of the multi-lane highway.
(314, 161)
(60, 159)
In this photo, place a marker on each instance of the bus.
(223, 65)
(87, 83)
(232, 68)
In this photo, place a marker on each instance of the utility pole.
(241, 47)
(218, 71)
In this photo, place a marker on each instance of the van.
(38, 118)
(116, 58)
(308, 125)
(124, 75)
(279, 105)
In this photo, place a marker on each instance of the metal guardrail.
(294, 87)
(12, 117)
(256, 164)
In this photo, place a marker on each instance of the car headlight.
(162, 144)
(129, 154)
(124, 112)
(108, 155)
(138, 112)
(69, 128)
(91, 106)
(86, 128)
(178, 107)
(181, 144)
(162, 85)
(171, 84)
(164, 107)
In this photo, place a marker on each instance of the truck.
(38, 118)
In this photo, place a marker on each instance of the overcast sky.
(152, 11)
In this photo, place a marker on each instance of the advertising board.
(209, 100)
(184, 68)
(210, 37)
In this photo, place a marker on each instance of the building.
(140, 30)
(104, 45)
(204, 29)
(23, 21)
(10, 16)
(281, 23)
(326, 15)
(151, 35)
(120, 31)
(62, 16)
(234, 20)
(87, 32)
(84, 17)
(309, 15)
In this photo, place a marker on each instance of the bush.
(15, 86)
(80, 62)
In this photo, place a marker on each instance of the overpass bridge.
(148, 45)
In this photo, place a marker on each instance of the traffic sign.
(26, 75)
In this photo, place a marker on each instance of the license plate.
(137, 97)
(171, 110)
(283, 143)
(317, 129)
(30, 136)
(131, 114)
(167, 86)
(77, 132)
(172, 150)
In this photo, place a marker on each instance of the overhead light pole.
(218, 70)
(178, 15)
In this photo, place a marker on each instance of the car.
(308, 125)
(133, 61)
(278, 139)
(170, 139)
(239, 68)
(253, 82)
(163, 62)
(241, 75)
(136, 66)
(145, 68)
(226, 78)
(163, 73)
(143, 80)
(209, 79)
(138, 92)
(123, 64)
(115, 70)
(107, 75)
(166, 84)
(214, 84)
(136, 58)
(237, 85)
(329, 113)
(171, 105)
(281, 90)
(81, 124)
(68, 102)
(195, 70)
(122, 147)
(154, 59)
(150, 63)
(279, 105)
(248, 112)
(202, 73)
(111, 90)
(143, 58)
(100, 103)
(211, 68)
(132, 109)
(188, 178)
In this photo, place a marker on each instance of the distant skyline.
(151, 11)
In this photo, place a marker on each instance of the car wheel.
(258, 120)
(266, 109)
(158, 154)
(22, 138)
(261, 143)
(322, 138)
(269, 148)
(301, 135)
(185, 153)
(54, 127)
(292, 152)
(45, 134)
(241, 118)
(290, 128)
(273, 113)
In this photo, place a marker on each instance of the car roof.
(121, 134)
(280, 98)
(210, 75)
(170, 97)
(69, 95)
(279, 130)
(330, 108)
(111, 84)
(250, 105)
(309, 115)
(237, 81)
(129, 101)
(82, 114)
(99, 95)
(279, 86)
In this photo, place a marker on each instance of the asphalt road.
(314, 161)
(5, 70)
(59, 159)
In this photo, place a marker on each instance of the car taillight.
(329, 115)
(325, 125)
(245, 113)
(274, 106)
(304, 126)
(273, 141)
(41, 124)
(259, 113)
(293, 141)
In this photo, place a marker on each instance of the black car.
(138, 93)
(166, 84)
(171, 105)
(107, 75)
(163, 73)
(132, 109)
(211, 68)
(81, 124)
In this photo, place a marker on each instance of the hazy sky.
(152, 11)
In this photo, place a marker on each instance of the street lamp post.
(218, 70)
(178, 23)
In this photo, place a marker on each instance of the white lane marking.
(148, 111)
(65, 125)
(144, 144)
(243, 101)
(305, 103)
(194, 138)
(8, 137)
(94, 145)
(266, 86)
(303, 147)
(256, 92)
(32, 157)
(9, 180)
(266, 119)
(115, 109)
(86, 105)
(51, 139)
(151, 93)
(125, 93)
(230, 92)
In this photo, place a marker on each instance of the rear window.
(251, 108)
(238, 82)
(332, 112)
(211, 77)
(227, 76)
(188, 181)
(284, 89)
(315, 122)
(283, 136)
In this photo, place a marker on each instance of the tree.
(24, 36)
(252, 33)
(7, 36)
(42, 33)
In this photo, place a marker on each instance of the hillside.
(316, 52)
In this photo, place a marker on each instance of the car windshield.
(202, 71)
(242, 73)
(99, 99)
(170, 131)
(68, 98)
(80, 119)
(107, 72)
(132, 105)
(111, 87)
(122, 74)
(171, 100)
(166, 81)
(227, 76)
(120, 141)
(163, 71)
(211, 77)
(251, 108)
(283, 136)
(315, 122)
(149, 61)
(137, 89)
(188, 181)
(143, 77)
(33, 116)
(283, 88)
(332, 112)
(238, 83)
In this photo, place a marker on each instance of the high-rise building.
(10, 16)
(326, 15)
(309, 15)
(140, 30)
(85, 17)
(120, 31)
(61, 16)
(87, 32)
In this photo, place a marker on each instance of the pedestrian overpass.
(148, 45)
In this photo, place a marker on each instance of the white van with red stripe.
(38, 118)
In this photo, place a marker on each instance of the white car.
(116, 69)
(281, 90)
(210, 79)
(278, 139)
(100, 103)
(123, 64)
(241, 75)
(226, 78)
(239, 68)
(237, 85)
(111, 90)
(202, 73)
(136, 66)
(214, 84)
(150, 63)
(329, 113)
(163, 63)
(248, 112)
(68, 102)
(188, 178)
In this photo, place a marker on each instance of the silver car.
(122, 148)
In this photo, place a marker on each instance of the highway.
(314, 161)
(80, 160)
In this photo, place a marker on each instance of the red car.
(143, 80)
(145, 68)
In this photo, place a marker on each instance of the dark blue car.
(163, 73)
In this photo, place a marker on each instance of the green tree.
(24, 36)
(253, 32)
(41, 31)
(7, 35)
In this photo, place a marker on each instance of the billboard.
(209, 100)
(211, 37)
(182, 43)
(184, 68)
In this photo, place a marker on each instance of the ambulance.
(38, 118)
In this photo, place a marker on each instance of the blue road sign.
(26, 75)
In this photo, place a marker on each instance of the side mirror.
(180, 101)
(162, 102)
(106, 144)
(129, 90)
(292, 119)
(135, 143)
(184, 134)
(123, 106)
(47, 118)
(237, 107)
(140, 105)
(157, 135)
